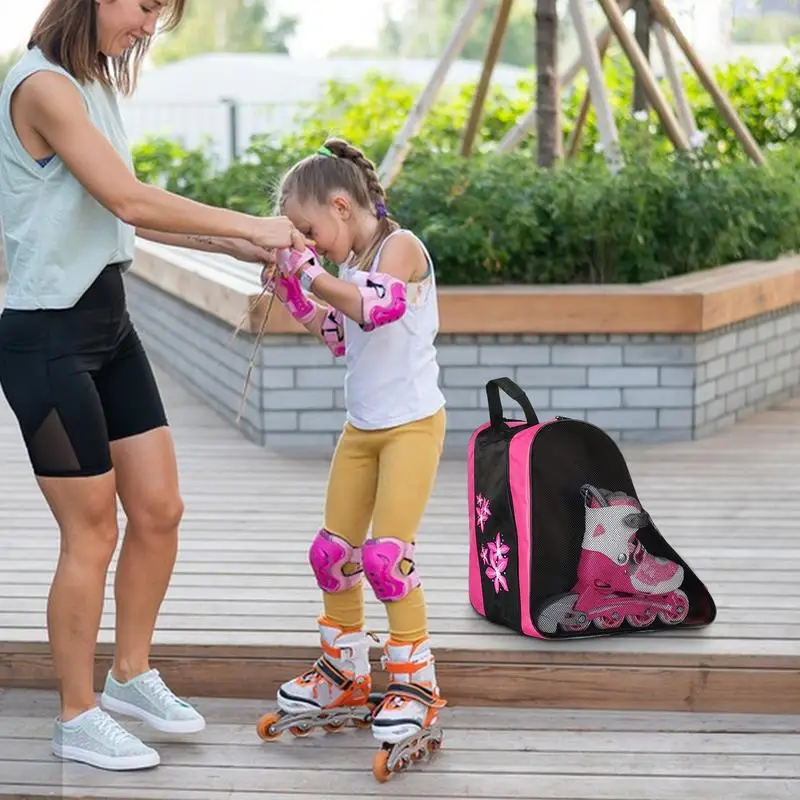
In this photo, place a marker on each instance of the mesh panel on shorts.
(51, 448)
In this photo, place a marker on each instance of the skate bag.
(560, 545)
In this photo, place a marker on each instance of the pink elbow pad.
(383, 299)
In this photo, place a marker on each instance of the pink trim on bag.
(475, 590)
(519, 472)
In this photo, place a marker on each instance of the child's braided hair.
(338, 165)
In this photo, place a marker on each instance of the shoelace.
(113, 733)
(159, 690)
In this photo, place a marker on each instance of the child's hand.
(292, 262)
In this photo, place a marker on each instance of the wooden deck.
(487, 753)
(240, 613)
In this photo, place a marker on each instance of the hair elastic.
(380, 208)
(324, 151)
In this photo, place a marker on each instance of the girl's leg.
(409, 462)
(349, 503)
(409, 712)
(341, 677)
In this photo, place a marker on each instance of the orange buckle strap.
(414, 691)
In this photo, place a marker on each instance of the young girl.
(382, 316)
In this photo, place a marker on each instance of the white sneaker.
(97, 739)
(147, 698)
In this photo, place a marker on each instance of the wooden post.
(673, 76)
(489, 62)
(609, 135)
(642, 68)
(642, 34)
(710, 85)
(397, 153)
(516, 134)
(580, 123)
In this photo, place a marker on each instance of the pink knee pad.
(328, 556)
(382, 559)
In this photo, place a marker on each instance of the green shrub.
(500, 219)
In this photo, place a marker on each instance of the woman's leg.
(85, 510)
(61, 419)
(147, 483)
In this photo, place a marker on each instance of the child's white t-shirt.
(392, 373)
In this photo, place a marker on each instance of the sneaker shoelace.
(112, 733)
(159, 690)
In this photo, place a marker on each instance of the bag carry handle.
(493, 388)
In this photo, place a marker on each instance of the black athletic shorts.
(77, 379)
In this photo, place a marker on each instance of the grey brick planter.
(637, 387)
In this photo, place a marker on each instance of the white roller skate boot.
(406, 721)
(336, 690)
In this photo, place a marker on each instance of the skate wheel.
(641, 620)
(680, 612)
(299, 731)
(380, 766)
(608, 624)
(333, 727)
(263, 726)
(576, 624)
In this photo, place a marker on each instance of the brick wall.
(638, 388)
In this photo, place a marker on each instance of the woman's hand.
(275, 232)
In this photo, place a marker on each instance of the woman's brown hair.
(340, 165)
(66, 32)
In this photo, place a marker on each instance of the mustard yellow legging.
(384, 477)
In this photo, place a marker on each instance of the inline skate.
(618, 579)
(406, 721)
(335, 691)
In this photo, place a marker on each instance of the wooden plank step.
(494, 754)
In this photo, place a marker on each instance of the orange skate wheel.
(380, 768)
(333, 727)
(263, 726)
(299, 732)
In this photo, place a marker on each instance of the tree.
(548, 101)
(227, 26)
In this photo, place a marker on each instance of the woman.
(72, 367)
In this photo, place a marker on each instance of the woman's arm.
(239, 249)
(53, 107)
(192, 241)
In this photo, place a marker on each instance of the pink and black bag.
(560, 545)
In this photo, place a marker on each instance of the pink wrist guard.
(291, 261)
(332, 330)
